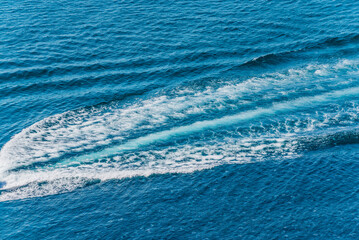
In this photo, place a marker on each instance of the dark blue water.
(179, 119)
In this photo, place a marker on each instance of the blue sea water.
(179, 119)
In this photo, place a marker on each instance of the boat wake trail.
(186, 129)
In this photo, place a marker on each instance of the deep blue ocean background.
(179, 119)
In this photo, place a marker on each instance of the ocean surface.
(179, 119)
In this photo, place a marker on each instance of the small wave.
(187, 62)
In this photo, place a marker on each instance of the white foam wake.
(283, 97)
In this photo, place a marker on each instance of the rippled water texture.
(183, 119)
